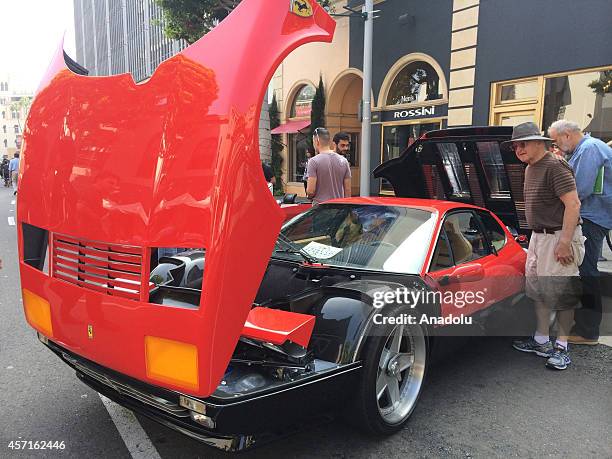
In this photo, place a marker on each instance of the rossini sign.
(431, 111)
(422, 111)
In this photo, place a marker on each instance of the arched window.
(416, 82)
(302, 103)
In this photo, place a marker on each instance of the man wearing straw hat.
(556, 248)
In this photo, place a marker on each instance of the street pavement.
(484, 400)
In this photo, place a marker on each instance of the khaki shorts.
(547, 280)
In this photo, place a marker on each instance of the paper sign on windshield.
(321, 251)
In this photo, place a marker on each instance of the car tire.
(377, 410)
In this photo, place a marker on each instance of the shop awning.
(291, 127)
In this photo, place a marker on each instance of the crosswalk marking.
(11, 221)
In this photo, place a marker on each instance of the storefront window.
(519, 91)
(585, 98)
(454, 169)
(298, 146)
(493, 165)
(354, 150)
(397, 138)
(417, 82)
(302, 104)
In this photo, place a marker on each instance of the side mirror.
(289, 198)
(522, 239)
(473, 272)
(512, 231)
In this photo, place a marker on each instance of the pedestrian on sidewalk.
(556, 247)
(4, 171)
(329, 174)
(269, 176)
(342, 142)
(309, 154)
(14, 171)
(591, 160)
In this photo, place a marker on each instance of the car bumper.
(237, 424)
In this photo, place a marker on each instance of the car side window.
(495, 233)
(443, 257)
(465, 237)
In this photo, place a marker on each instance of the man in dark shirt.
(343, 145)
(556, 248)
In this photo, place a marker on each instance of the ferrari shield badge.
(302, 8)
(90, 331)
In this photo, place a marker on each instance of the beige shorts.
(547, 280)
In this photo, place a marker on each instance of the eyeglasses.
(516, 145)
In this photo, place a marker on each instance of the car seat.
(462, 248)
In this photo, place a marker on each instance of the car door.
(507, 267)
(461, 263)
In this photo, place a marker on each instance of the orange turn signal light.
(172, 362)
(38, 312)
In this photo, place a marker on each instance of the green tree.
(191, 19)
(21, 106)
(277, 146)
(317, 115)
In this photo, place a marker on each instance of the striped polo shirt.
(545, 182)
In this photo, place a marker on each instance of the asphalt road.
(485, 400)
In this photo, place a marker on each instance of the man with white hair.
(591, 160)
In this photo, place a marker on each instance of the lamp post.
(366, 122)
(367, 15)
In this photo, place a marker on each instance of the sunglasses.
(516, 145)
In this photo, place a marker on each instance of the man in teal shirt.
(591, 160)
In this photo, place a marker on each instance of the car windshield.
(375, 237)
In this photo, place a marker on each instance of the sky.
(30, 31)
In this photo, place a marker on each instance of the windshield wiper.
(290, 247)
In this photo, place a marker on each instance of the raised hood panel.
(171, 162)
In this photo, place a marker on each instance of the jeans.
(588, 318)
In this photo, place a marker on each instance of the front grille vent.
(112, 269)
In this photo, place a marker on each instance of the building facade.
(126, 36)
(486, 62)
(294, 85)
(121, 36)
(13, 112)
(449, 63)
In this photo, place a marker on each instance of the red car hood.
(172, 162)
